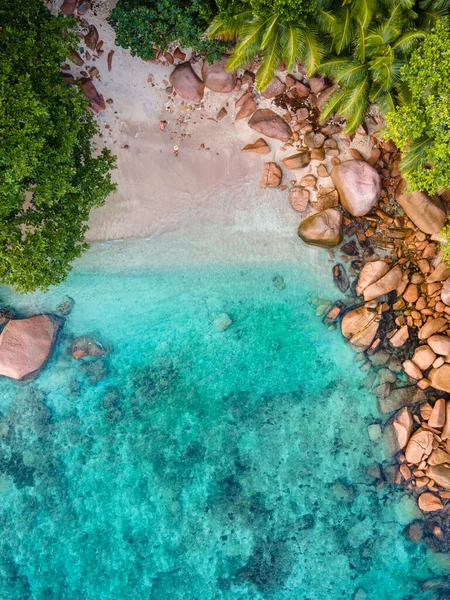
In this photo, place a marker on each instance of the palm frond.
(327, 20)
(228, 28)
(346, 71)
(290, 44)
(271, 60)
(270, 30)
(362, 11)
(408, 41)
(360, 42)
(344, 32)
(429, 17)
(249, 44)
(311, 50)
(384, 99)
(416, 155)
(332, 105)
(355, 104)
(385, 71)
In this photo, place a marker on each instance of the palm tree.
(368, 49)
(271, 37)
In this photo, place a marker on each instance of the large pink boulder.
(187, 83)
(68, 7)
(267, 122)
(322, 229)
(96, 100)
(360, 325)
(358, 184)
(26, 344)
(427, 213)
(216, 78)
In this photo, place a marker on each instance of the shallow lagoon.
(194, 463)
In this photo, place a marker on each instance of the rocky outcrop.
(271, 176)
(96, 100)
(247, 108)
(186, 82)
(259, 147)
(216, 78)
(440, 378)
(299, 160)
(440, 474)
(92, 37)
(398, 430)
(322, 229)
(360, 325)
(359, 186)
(440, 344)
(428, 502)
(275, 88)
(267, 122)
(298, 198)
(26, 344)
(370, 273)
(68, 7)
(427, 213)
(386, 284)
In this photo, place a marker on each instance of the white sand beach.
(198, 205)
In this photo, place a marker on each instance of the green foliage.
(445, 245)
(146, 25)
(371, 40)
(49, 179)
(276, 30)
(421, 127)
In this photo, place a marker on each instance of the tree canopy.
(421, 126)
(146, 25)
(49, 177)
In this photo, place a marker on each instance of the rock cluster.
(420, 440)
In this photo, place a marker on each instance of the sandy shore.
(206, 203)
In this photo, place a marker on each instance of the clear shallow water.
(198, 464)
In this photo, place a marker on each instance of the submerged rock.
(26, 344)
(340, 278)
(88, 345)
(65, 306)
(222, 322)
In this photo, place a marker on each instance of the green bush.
(49, 178)
(146, 25)
(421, 127)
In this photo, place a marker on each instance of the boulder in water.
(360, 325)
(88, 345)
(26, 344)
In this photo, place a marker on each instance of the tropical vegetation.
(421, 126)
(50, 178)
(360, 44)
(144, 26)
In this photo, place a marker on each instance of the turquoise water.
(193, 463)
